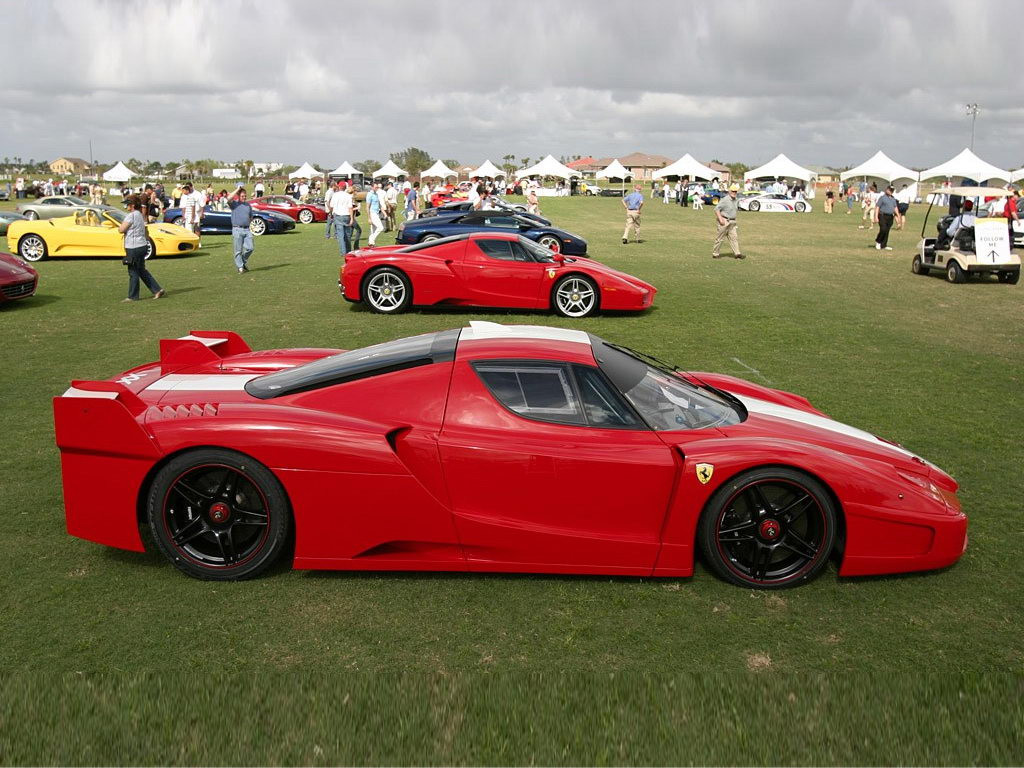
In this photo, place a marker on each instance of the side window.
(603, 406)
(535, 391)
(506, 222)
(496, 249)
(520, 253)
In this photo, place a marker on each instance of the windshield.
(116, 215)
(664, 400)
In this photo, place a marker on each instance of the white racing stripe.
(202, 340)
(184, 382)
(74, 392)
(763, 407)
(483, 330)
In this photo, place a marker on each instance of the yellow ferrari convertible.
(92, 232)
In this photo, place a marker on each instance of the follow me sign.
(991, 241)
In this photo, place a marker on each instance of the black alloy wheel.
(768, 529)
(218, 515)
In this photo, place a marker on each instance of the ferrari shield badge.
(551, 273)
(704, 472)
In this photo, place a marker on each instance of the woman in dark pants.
(135, 245)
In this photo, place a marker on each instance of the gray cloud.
(826, 83)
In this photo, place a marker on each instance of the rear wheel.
(768, 528)
(550, 242)
(917, 266)
(150, 249)
(575, 296)
(800, 207)
(218, 515)
(31, 215)
(306, 216)
(754, 205)
(955, 274)
(257, 226)
(428, 238)
(1009, 277)
(387, 291)
(32, 248)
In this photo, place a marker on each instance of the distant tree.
(508, 163)
(736, 169)
(412, 160)
(453, 164)
(526, 162)
(367, 167)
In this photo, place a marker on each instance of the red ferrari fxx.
(304, 213)
(487, 448)
(17, 279)
(487, 269)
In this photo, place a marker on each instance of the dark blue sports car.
(219, 222)
(444, 225)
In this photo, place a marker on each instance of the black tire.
(32, 247)
(954, 273)
(306, 216)
(754, 205)
(917, 266)
(180, 221)
(31, 215)
(800, 207)
(575, 296)
(218, 515)
(257, 226)
(768, 528)
(150, 248)
(387, 291)
(1010, 277)
(550, 242)
(429, 238)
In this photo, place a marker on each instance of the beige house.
(643, 165)
(69, 165)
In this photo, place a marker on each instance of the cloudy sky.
(739, 80)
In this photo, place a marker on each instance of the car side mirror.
(559, 258)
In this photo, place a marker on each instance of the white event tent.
(1017, 175)
(119, 172)
(390, 170)
(780, 166)
(345, 169)
(548, 167)
(879, 166)
(686, 166)
(615, 170)
(437, 171)
(488, 171)
(307, 171)
(966, 165)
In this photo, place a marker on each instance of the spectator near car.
(241, 235)
(887, 208)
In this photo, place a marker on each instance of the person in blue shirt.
(633, 202)
(241, 236)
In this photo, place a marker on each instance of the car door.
(500, 273)
(90, 235)
(544, 476)
(215, 221)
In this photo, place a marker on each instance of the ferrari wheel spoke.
(797, 545)
(245, 517)
(759, 562)
(796, 509)
(760, 501)
(192, 495)
(747, 526)
(197, 527)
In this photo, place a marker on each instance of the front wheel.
(31, 215)
(32, 248)
(257, 226)
(575, 296)
(306, 216)
(150, 249)
(768, 528)
(218, 515)
(955, 274)
(800, 207)
(387, 291)
(754, 205)
(551, 243)
(917, 266)
(180, 221)
(429, 238)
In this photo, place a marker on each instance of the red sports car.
(17, 279)
(305, 213)
(487, 448)
(487, 269)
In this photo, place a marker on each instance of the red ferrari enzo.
(487, 269)
(304, 213)
(487, 448)
(17, 279)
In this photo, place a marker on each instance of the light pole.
(972, 110)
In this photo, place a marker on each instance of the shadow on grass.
(38, 300)
(151, 558)
(450, 309)
(270, 266)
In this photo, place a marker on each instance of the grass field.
(114, 657)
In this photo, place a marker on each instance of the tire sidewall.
(560, 282)
(44, 254)
(279, 523)
(406, 301)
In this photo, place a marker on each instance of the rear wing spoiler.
(200, 347)
(101, 417)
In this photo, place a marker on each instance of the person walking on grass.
(241, 235)
(725, 215)
(375, 207)
(887, 211)
(341, 209)
(136, 244)
(327, 204)
(867, 204)
(633, 203)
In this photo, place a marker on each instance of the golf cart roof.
(976, 191)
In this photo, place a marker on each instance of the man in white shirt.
(258, 189)
(191, 208)
(341, 209)
(903, 201)
(474, 193)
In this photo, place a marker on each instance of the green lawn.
(114, 657)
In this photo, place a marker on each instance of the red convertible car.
(487, 269)
(487, 448)
(17, 279)
(304, 213)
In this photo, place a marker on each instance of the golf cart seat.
(963, 239)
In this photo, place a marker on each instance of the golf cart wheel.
(755, 205)
(1009, 277)
(800, 207)
(917, 266)
(955, 274)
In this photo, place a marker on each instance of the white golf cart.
(983, 248)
